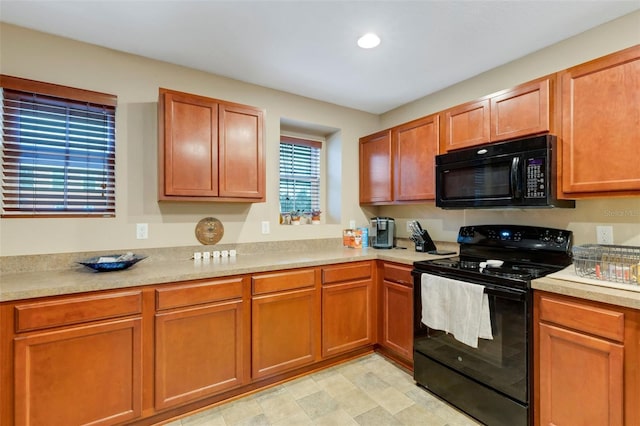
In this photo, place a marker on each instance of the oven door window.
(500, 363)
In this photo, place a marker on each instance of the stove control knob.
(517, 236)
(546, 237)
(560, 239)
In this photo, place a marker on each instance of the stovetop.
(526, 252)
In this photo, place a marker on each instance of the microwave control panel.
(535, 178)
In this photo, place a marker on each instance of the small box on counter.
(352, 238)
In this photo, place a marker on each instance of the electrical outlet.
(409, 225)
(142, 231)
(604, 234)
(265, 227)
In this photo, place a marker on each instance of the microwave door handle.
(515, 178)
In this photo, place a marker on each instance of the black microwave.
(519, 173)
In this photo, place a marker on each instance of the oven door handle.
(503, 292)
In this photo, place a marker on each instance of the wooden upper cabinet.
(415, 147)
(466, 125)
(522, 111)
(209, 150)
(241, 150)
(527, 109)
(601, 126)
(189, 145)
(376, 178)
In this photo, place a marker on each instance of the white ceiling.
(309, 47)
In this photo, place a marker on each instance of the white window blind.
(299, 175)
(58, 155)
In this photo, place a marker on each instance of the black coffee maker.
(383, 231)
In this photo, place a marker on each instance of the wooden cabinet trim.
(75, 310)
(186, 294)
(588, 319)
(346, 272)
(281, 281)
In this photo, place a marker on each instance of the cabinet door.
(242, 173)
(347, 317)
(190, 146)
(285, 329)
(581, 379)
(397, 318)
(199, 352)
(79, 375)
(415, 147)
(522, 111)
(375, 168)
(600, 125)
(466, 125)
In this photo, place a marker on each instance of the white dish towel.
(457, 307)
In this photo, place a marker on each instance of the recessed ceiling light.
(368, 41)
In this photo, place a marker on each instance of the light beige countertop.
(77, 278)
(28, 277)
(598, 293)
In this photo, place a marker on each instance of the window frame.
(314, 144)
(66, 95)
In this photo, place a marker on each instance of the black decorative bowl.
(117, 265)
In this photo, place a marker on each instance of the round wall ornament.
(209, 230)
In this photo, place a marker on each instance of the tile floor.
(366, 391)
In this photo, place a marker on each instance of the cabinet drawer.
(279, 281)
(397, 273)
(38, 315)
(346, 272)
(583, 317)
(195, 293)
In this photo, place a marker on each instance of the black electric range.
(491, 382)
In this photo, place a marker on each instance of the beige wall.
(621, 213)
(135, 80)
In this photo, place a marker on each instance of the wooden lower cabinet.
(86, 373)
(586, 362)
(396, 319)
(199, 352)
(347, 320)
(348, 307)
(285, 324)
(201, 340)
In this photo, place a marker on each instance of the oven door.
(501, 363)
